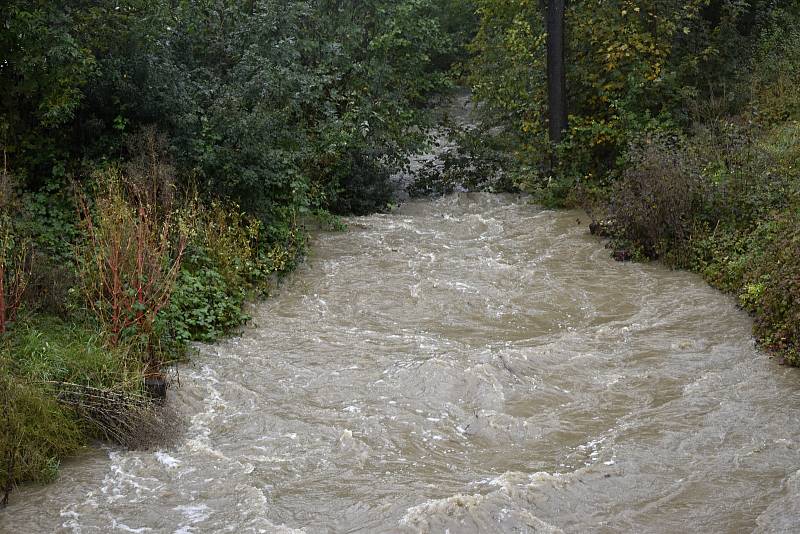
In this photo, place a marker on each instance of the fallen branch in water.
(132, 420)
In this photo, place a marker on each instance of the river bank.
(156, 161)
(682, 137)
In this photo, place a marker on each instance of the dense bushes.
(654, 202)
(727, 207)
(632, 68)
(228, 258)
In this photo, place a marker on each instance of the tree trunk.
(556, 71)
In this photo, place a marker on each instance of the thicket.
(683, 139)
(160, 159)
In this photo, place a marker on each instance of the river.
(467, 364)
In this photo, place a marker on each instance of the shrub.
(655, 201)
(204, 306)
(735, 222)
(229, 255)
(48, 220)
(225, 237)
(129, 258)
(14, 271)
(49, 217)
(14, 253)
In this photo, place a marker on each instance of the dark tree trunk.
(556, 70)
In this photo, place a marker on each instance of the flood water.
(469, 364)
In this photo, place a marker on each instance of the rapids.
(469, 364)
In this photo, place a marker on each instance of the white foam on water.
(194, 513)
(167, 460)
(73, 521)
(462, 513)
(116, 525)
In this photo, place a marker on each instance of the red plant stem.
(2, 297)
(140, 245)
(115, 294)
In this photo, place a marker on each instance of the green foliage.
(776, 70)
(286, 101)
(204, 305)
(508, 78)
(49, 349)
(220, 234)
(458, 20)
(35, 432)
(364, 187)
(229, 256)
(774, 294)
(49, 218)
(45, 69)
(283, 107)
(15, 254)
(221, 263)
(632, 67)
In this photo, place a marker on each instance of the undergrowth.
(727, 206)
(89, 321)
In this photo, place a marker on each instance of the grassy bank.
(42, 357)
(90, 323)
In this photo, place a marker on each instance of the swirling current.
(468, 364)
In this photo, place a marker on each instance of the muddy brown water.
(469, 364)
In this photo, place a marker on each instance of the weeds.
(14, 253)
(129, 259)
(36, 431)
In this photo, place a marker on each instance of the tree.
(556, 70)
